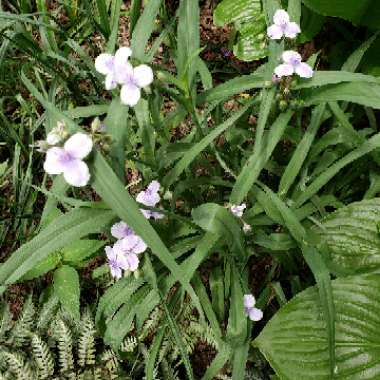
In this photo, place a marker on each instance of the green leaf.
(68, 227)
(295, 164)
(232, 87)
(44, 266)
(364, 93)
(187, 40)
(352, 238)
(359, 12)
(67, 289)
(116, 124)
(249, 21)
(295, 340)
(144, 28)
(80, 250)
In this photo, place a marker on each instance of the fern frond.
(42, 357)
(64, 340)
(129, 344)
(18, 367)
(24, 324)
(111, 361)
(151, 324)
(86, 343)
(47, 313)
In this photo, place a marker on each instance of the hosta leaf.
(295, 339)
(250, 23)
(351, 236)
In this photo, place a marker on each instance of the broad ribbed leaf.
(295, 339)
(250, 23)
(352, 238)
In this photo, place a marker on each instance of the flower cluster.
(292, 61)
(68, 160)
(150, 197)
(123, 255)
(251, 311)
(118, 70)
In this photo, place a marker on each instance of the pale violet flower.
(150, 197)
(121, 230)
(293, 64)
(116, 262)
(129, 247)
(238, 210)
(251, 311)
(282, 26)
(113, 67)
(69, 160)
(133, 80)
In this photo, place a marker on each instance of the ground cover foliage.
(200, 205)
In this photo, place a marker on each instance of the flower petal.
(281, 17)
(54, 161)
(284, 70)
(110, 82)
(249, 300)
(124, 73)
(255, 314)
(78, 145)
(130, 95)
(291, 30)
(116, 272)
(132, 244)
(111, 255)
(143, 75)
(304, 70)
(154, 186)
(104, 63)
(122, 55)
(275, 32)
(291, 57)
(121, 230)
(133, 261)
(122, 262)
(157, 215)
(76, 173)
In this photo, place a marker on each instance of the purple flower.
(150, 197)
(238, 210)
(293, 64)
(282, 26)
(69, 160)
(251, 311)
(116, 262)
(121, 230)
